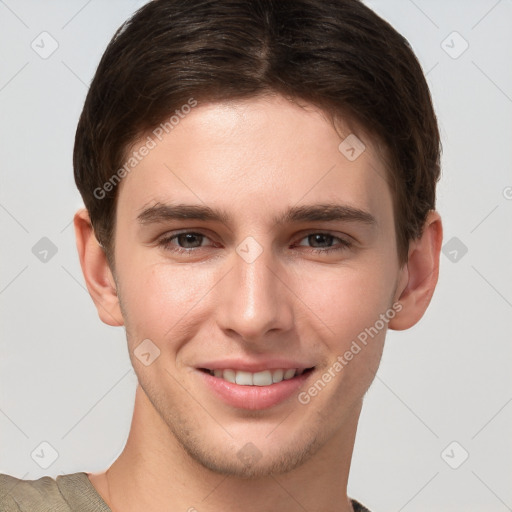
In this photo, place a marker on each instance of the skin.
(253, 159)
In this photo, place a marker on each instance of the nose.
(255, 299)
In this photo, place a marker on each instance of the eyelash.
(166, 243)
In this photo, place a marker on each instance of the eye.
(188, 242)
(184, 242)
(325, 240)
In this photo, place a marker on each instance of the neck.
(155, 473)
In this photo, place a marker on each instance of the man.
(259, 181)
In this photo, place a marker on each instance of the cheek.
(356, 308)
(347, 300)
(158, 300)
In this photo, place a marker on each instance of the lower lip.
(254, 397)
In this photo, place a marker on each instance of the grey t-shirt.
(65, 493)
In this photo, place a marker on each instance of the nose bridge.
(256, 302)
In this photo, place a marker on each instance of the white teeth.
(263, 378)
(229, 375)
(288, 374)
(277, 376)
(244, 378)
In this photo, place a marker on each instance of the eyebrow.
(296, 214)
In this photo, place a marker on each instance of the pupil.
(187, 238)
(318, 237)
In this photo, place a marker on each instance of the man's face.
(248, 293)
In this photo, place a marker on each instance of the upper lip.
(253, 366)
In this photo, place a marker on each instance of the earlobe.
(96, 270)
(419, 276)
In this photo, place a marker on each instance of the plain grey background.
(435, 429)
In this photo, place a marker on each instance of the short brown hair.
(335, 54)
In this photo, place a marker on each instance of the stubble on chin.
(234, 458)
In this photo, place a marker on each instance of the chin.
(244, 451)
(249, 462)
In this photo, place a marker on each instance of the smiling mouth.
(263, 378)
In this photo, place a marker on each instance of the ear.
(419, 275)
(98, 276)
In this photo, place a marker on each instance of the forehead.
(253, 157)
